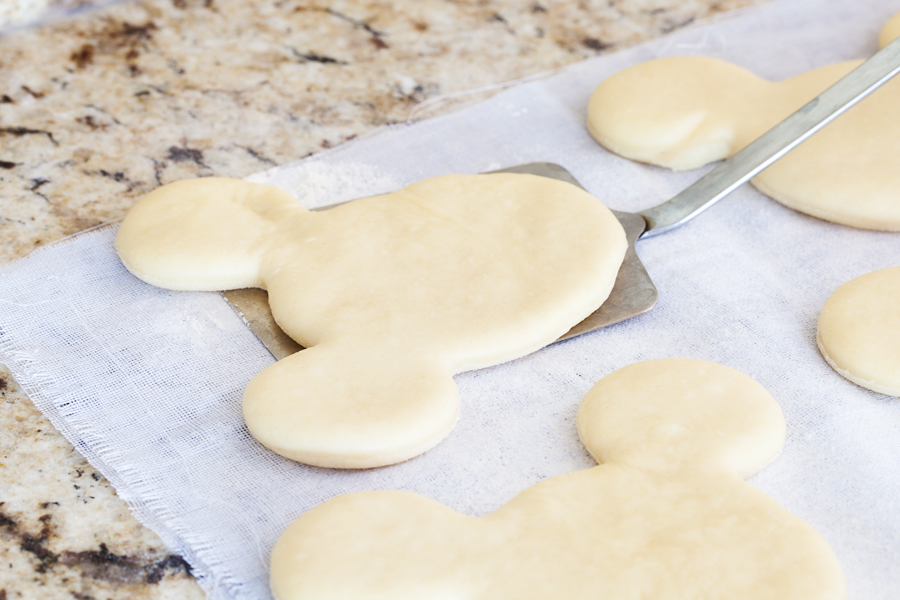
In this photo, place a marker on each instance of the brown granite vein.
(100, 564)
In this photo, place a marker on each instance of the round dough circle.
(890, 31)
(658, 414)
(859, 331)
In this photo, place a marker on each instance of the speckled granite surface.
(18, 13)
(98, 110)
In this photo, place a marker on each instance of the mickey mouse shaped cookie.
(391, 295)
(685, 112)
(666, 515)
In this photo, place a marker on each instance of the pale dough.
(392, 295)
(890, 31)
(666, 517)
(859, 331)
(685, 112)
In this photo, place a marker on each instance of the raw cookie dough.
(890, 31)
(392, 295)
(666, 516)
(685, 112)
(859, 331)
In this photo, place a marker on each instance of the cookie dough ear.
(352, 405)
(202, 234)
(890, 31)
(679, 413)
(679, 113)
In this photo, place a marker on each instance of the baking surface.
(98, 110)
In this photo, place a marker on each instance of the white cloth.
(146, 383)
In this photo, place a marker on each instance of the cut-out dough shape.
(392, 295)
(685, 112)
(890, 31)
(859, 331)
(666, 516)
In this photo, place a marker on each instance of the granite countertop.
(98, 109)
(19, 13)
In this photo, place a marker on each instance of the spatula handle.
(775, 143)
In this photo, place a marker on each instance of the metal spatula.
(634, 292)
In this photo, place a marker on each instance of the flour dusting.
(315, 183)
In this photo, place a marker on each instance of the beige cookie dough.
(685, 112)
(890, 31)
(392, 295)
(859, 331)
(665, 517)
